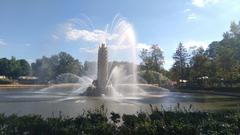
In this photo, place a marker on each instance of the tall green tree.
(67, 64)
(14, 68)
(199, 67)
(227, 56)
(225, 62)
(220, 63)
(152, 59)
(179, 69)
(5, 66)
(211, 51)
(25, 67)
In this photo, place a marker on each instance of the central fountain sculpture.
(99, 86)
(102, 69)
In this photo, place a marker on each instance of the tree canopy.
(179, 68)
(14, 68)
(217, 66)
(48, 68)
(152, 59)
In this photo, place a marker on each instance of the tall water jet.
(115, 80)
(102, 69)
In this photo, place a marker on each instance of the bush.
(5, 81)
(179, 122)
(153, 77)
(67, 78)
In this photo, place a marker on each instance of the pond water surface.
(35, 101)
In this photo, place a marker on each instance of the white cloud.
(30, 60)
(204, 3)
(89, 36)
(186, 10)
(2, 43)
(192, 16)
(74, 33)
(88, 50)
(121, 36)
(118, 47)
(141, 46)
(168, 63)
(198, 3)
(195, 44)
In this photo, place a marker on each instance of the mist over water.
(124, 38)
(119, 35)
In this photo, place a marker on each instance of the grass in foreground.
(157, 121)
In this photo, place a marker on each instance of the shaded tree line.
(13, 68)
(45, 68)
(217, 66)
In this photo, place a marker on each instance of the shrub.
(97, 122)
(5, 81)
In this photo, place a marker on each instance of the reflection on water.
(25, 101)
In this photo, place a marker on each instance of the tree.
(211, 51)
(48, 68)
(180, 66)
(227, 56)
(25, 68)
(43, 69)
(158, 59)
(220, 62)
(5, 66)
(67, 64)
(152, 59)
(199, 67)
(14, 68)
(225, 62)
(235, 29)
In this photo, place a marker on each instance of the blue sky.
(30, 29)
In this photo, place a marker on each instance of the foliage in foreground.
(96, 122)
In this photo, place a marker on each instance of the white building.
(3, 77)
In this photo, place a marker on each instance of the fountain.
(117, 81)
(102, 69)
(106, 85)
(99, 86)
